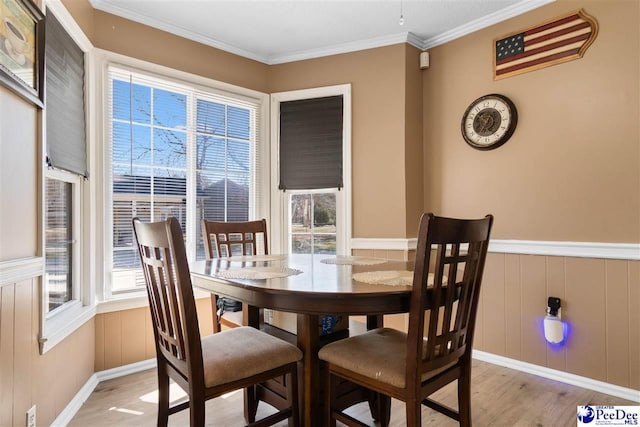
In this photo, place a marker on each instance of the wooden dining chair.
(226, 239)
(411, 366)
(213, 365)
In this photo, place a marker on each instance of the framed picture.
(22, 49)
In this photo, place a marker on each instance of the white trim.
(376, 42)
(628, 251)
(129, 369)
(384, 244)
(625, 251)
(109, 7)
(407, 37)
(131, 301)
(61, 325)
(564, 377)
(67, 414)
(16, 270)
(69, 24)
(484, 22)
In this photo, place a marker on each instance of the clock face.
(489, 122)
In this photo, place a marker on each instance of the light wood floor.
(500, 397)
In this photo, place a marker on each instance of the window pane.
(301, 244)
(170, 148)
(131, 144)
(300, 213)
(238, 157)
(239, 123)
(319, 235)
(324, 213)
(169, 109)
(210, 118)
(58, 243)
(131, 102)
(210, 153)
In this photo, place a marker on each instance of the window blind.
(311, 143)
(64, 100)
(176, 150)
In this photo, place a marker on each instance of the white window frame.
(106, 299)
(55, 326)
(280, 215)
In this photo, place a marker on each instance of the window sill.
(137, 300)
(61, 325)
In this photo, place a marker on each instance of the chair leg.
(163, 396)
(250, 404)
(292, 396)
(464, 395)
(380, 407)
(196, 412)
(328, 419)
(414, 413)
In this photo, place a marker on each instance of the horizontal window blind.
(176, 150)
(311, 143)
(64, 100)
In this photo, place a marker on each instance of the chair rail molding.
(16, 270)
(625, 251)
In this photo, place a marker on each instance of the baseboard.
(121, 371)
(561, 376)
(67, 414)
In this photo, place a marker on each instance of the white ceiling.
(278, 31)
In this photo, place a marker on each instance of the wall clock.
(489, 121)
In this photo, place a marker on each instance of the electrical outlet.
(31, 416)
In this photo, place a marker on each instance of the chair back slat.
(234, 238)
(442, 315)
(171, 301)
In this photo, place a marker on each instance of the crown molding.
(484, 22)
(410, 38)
(347, 47)
(173, 29)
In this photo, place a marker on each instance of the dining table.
(311, 286)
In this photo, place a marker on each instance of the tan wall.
(378, 81)
(124, 337)
(27, 378)
(571, 171)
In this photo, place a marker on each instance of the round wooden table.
(321, 287)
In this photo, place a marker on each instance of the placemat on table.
(270, 272)
(352, 260)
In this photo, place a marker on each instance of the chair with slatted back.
(436, 350)
(226, 239)
(213, 365)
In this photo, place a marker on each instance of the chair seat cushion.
(241, 352)
(379, 354)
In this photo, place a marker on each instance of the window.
(67, 295)
(312, 127)
(60, 240)
(66, 163)
(175, 149)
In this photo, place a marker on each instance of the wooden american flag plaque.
(561, 39)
